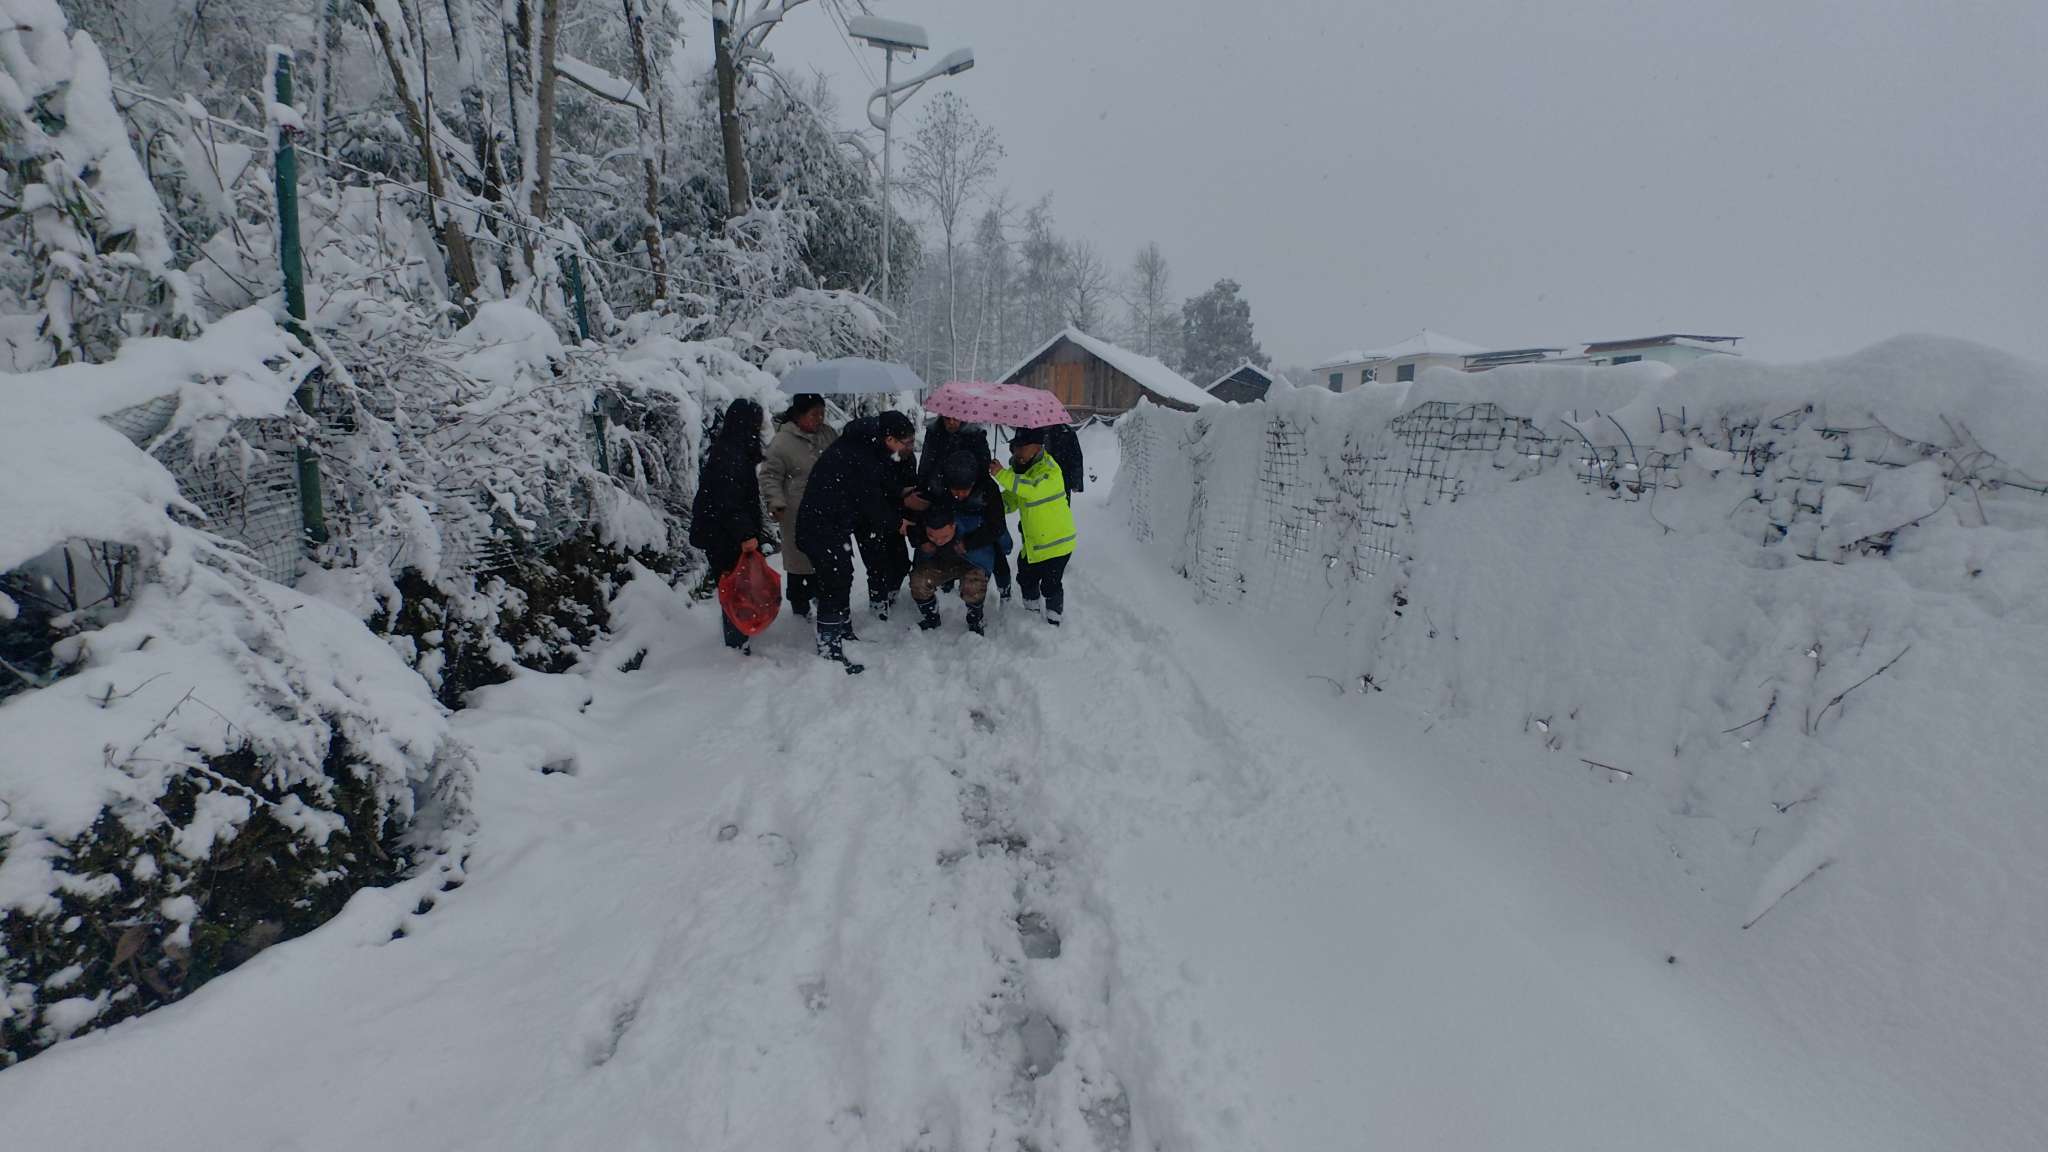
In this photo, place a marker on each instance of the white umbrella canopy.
(851, 376)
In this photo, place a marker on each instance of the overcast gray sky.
(1812, 175)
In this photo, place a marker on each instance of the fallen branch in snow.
(111, 696)
(1781, 809)
(1609, 767)
(1813, 726)
(27, 677)
(1330, 680)
(1817, 870)
(1769, 707)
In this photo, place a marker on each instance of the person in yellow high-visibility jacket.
(1035, 489)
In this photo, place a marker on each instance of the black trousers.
(798, 588)
(1002, 568)
(1045, 576)
(832, 582)
(888, 563)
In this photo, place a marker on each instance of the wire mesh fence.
(1277, 507)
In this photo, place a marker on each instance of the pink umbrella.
(1011, 405)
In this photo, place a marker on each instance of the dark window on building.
(1336, 381)
(1404, 373)
(1626, 359)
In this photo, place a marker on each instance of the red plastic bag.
(751, 594)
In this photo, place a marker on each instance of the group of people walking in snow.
(938, 522)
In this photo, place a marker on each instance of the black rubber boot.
(974, 623)
(927, 614)
(832, 645)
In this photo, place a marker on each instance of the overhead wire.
(835, 9)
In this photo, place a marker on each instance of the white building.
(1396, 363)
(1675, 349)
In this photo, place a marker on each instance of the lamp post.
(893, 36)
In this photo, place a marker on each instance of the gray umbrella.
(851, 376)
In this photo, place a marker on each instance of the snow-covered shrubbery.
(1806, 606)
(216, 729)
(212, 761)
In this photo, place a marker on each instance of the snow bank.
(195, 709)
(1798, 613)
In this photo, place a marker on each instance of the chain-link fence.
(1302, 502)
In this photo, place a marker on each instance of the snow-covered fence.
(1782, 604)
(250, 497)
(1314, 495)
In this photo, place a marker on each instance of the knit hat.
(804, 402)
(895, 425)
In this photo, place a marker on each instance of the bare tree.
(653, 142)
(409, 80)
(1085, 286)
(736, 38)
(950, 158)
(996, 274)
(1042, 257)
(543, 178)
(468, 52)
(1151, 316)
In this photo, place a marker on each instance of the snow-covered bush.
(100, 261)
(199, 761)
(491, 486)
(223, 759)
(207, 749)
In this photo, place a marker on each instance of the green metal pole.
(312, 509)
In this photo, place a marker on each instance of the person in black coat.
(886, 555)
(850, 495)
(1065, 448)
(725, 519)
(943, 437)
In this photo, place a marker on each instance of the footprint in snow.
(781, 852)
(816, 994)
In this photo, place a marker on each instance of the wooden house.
(1095, 378)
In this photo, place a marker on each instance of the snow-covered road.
(1128, 885)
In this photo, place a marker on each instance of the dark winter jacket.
(727, 510)
(1066, 451)
(854, 489)
(979, 521)
(939, 444)
(899, 476)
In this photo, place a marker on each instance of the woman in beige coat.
(801, 439)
